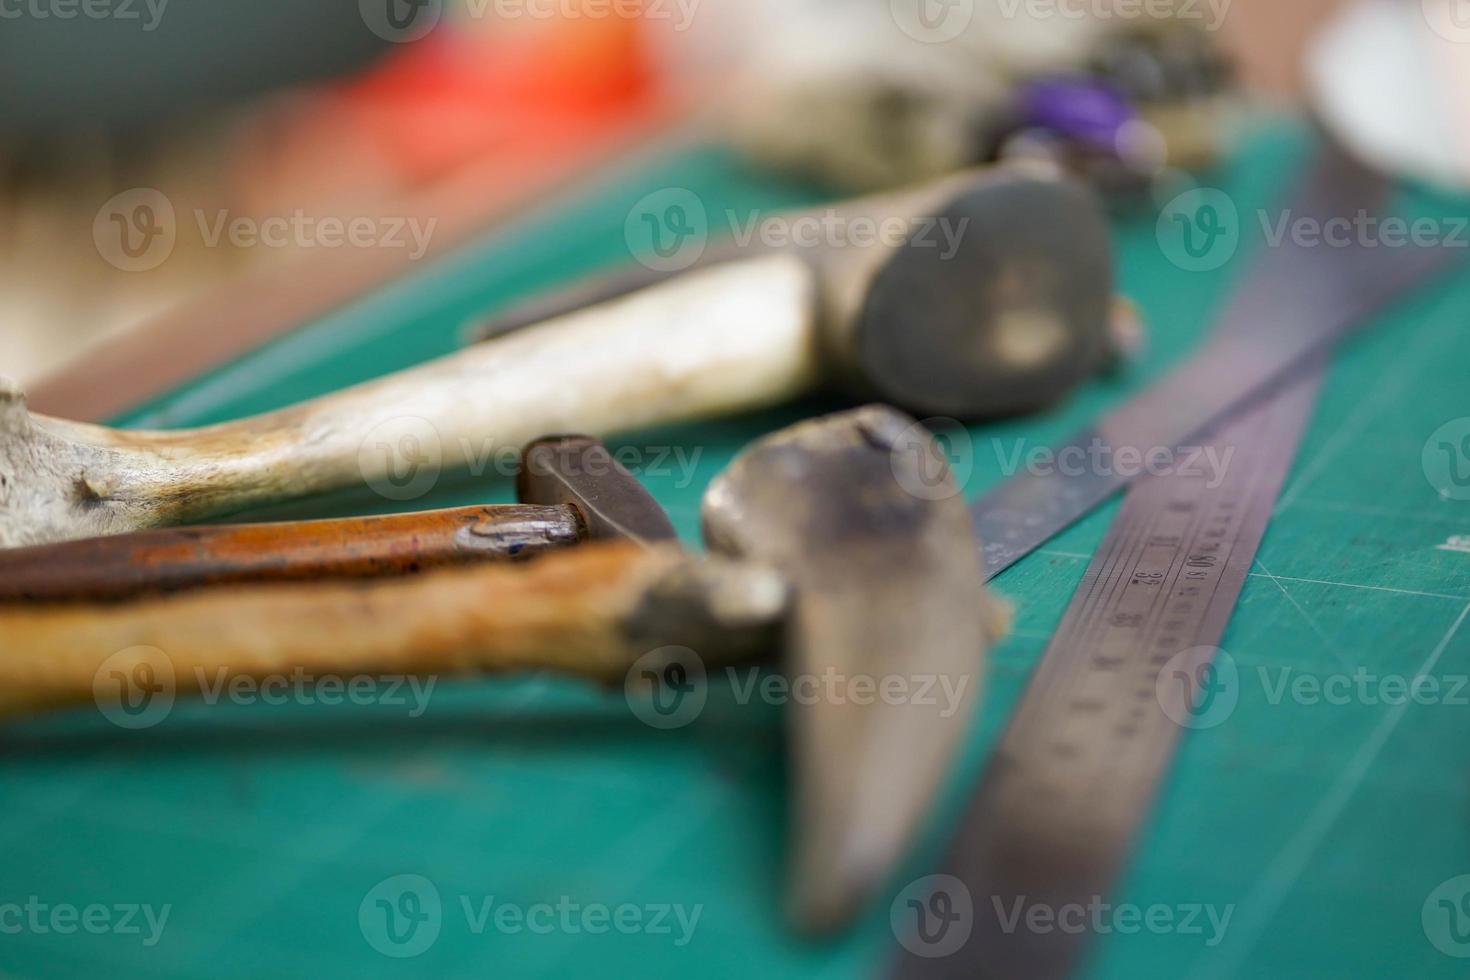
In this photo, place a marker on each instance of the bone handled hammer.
(820, 552)
(571, 490)
(1009, 315)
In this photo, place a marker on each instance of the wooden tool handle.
(590, 611)
(365, 547)
(563, 613)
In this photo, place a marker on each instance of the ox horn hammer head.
(887, 584)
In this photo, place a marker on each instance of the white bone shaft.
(730, 338)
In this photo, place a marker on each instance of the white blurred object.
(876, 93)
(1391, 79)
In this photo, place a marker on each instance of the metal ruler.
(1127, 671)
(1056, 812)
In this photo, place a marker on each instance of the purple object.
(1078, 108)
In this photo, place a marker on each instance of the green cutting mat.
(266, 830)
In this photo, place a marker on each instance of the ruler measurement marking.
(1118, 640)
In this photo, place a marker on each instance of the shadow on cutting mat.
(726, 729)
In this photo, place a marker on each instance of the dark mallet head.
(999, 302)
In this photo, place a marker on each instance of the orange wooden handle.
(145, 562)
(569, 611)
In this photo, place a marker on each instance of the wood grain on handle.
(572, 611)
(169, 560)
